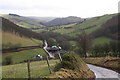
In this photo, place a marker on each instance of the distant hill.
(42, 19)
(36, 23)
(25, 22)
(64, 21)
(14, 15)
(103, 28)
(90, 25)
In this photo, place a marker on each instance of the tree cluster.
(109, 49)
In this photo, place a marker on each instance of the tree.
(51, 42)
(84, 43)
(65, 45)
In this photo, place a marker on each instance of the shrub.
(70, 61)
(8, 60)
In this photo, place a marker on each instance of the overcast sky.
(59, 8)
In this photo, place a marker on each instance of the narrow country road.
(103, 72)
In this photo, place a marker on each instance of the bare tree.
(84, 43)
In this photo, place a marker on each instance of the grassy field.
(64, 31)
(107, 62)
(39, 69)
(9, 38)
(18, 57)
(101, 40)
(39, 30)
(96, 41)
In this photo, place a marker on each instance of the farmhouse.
(53, 49)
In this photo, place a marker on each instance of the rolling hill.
(102, 28)
(25, 22)
(42, 19)
(10, 40)
(8, 26)
(96, 26)
(15, 36)
(106, 24)
(63, 21)
(91, 25)
(109, 29)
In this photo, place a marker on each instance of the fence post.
(60, 57)
(48, 64)
(28, 65)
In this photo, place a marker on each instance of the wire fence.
(31, 69)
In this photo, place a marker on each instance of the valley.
(99, 35)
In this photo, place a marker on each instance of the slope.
(10, 40)
(90, 25)
(15, 36)
(25, 22)
(63, 21)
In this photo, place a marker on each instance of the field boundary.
(20, 49)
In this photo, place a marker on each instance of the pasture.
(9, 39)
(21, 56)
(38, 69)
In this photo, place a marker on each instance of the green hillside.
(101, 40)
(10, 40)
(25, 22)
(89, 26)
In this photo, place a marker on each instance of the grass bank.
(72, 67)
(112, 63)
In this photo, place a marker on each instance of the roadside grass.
(38, 69)
(18, 57)
(107, 62)
(72, 67)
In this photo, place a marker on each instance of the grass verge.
(112, 63)
(72, 67)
